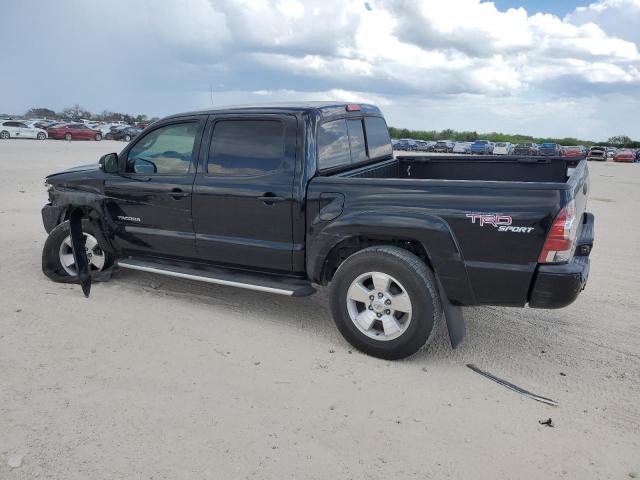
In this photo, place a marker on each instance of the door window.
(166, 150)
(246, 148)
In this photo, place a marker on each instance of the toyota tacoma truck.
(282, 198)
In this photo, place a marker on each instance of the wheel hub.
(95, 255)
(379, 306)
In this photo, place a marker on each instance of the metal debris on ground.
(513, 387)
(548, 422)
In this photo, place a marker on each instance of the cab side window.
(246, 148)
(166, 150)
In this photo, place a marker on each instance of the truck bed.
(494, 168)
(442, 199)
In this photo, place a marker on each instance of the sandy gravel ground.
(163, 379)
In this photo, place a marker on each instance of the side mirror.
(109, 163)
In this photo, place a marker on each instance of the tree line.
(76, 113)
(466, 136)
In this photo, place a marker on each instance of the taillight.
(561, 240)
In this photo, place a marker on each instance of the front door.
(243, 192)
(150, 200)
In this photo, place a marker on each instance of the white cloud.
(463, 59)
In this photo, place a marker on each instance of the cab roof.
(325, 109)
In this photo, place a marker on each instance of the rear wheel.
(98, 137)
(385, 302)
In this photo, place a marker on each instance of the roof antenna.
(211, 94)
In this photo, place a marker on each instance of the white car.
(15, 129)
(503, 148)
(462, 147)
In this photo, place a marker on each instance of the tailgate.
(579, 187)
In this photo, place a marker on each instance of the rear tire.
(98, 137)
(370, 294)
(55, 248)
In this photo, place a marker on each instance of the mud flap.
(79, 253)
(455, 320)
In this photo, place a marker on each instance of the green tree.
(620, 141)
(40, 113)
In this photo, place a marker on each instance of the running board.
(262, 282)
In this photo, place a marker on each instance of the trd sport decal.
(501, 222)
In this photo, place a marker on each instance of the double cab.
(283, 198)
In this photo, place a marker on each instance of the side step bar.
(262, 282)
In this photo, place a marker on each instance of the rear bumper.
(556, 286)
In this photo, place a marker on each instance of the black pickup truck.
(278, 198)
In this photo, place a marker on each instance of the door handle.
(270, 198)
(177, 193)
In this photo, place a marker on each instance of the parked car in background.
(406, 144)
(529, 149)
(15, 129)
(74, 131)
(597, 153)
(109, 128)
(443, 146)
(576, 152)
(638, 155)
(482, 147)
(610, 152)
(550, 150)
(462, 147)
(503, 148)
(625, 155)
(126, 134)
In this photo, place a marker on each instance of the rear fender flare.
(431, 231)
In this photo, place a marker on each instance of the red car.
(625, 155)
(573, 152)
(74, 131)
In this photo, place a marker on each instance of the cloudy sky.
(548, 67)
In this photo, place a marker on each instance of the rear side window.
(378, 138)
(246, 148)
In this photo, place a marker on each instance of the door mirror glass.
(144, 166)
(109, 163)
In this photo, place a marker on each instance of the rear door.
(150, 200)
(243, 192)
(12, 128)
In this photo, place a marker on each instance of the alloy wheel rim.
(95, 255)
(379, 306)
